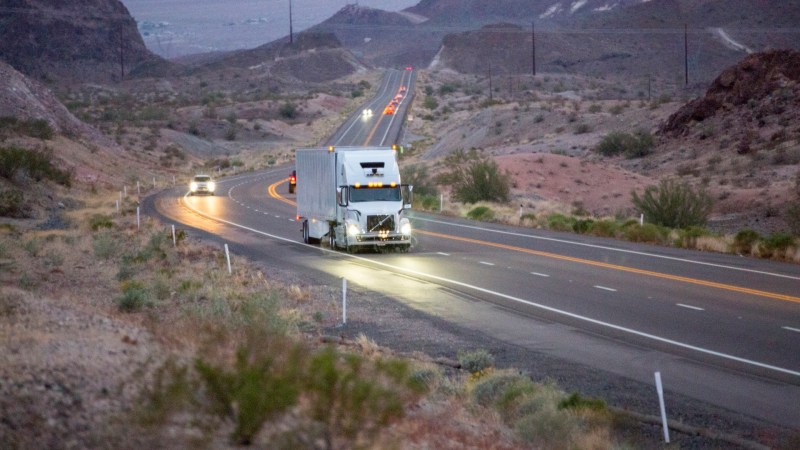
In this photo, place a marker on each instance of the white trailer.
(352, 196)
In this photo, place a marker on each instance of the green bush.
(582, 226)
(430, 103)
(427, 202)
(475, 179)
(744, 240)
(483, 213)
(503, 391)
(262, 383)
(105, 246)
(793, 217)
(674, 204)
(33, 163)
(560, 222)
(476, 360)
(12, 204)
(631, 145)
(288, 110)
(134, 297)
(99, 221)
(648, 232)
(778, 241)
(687, 238)
(576, 402)
(417, 176)
(604, 228)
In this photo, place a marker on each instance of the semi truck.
(352, 197)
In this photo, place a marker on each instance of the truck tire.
(332, 239)
(305, 232)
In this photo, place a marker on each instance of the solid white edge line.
(540, 274)
(602, 247)
(605, 288)
(797, 330)
(442, 253)
(486, 263)
(519, 300)
(696, 308)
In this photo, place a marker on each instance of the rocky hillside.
(82, 40)
(312, 57)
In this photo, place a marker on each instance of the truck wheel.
(332, 239)
(305, 232)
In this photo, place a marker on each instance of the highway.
(721, 329)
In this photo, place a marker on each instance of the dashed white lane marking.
(796, 330)
(696, 308)
(486, 263)
(443, 253)
(540, 274)
(606, 288)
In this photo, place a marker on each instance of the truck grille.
(386, 225)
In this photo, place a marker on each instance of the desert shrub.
(134, 296)
(481, 213)
(36, 128)
(417, 176)
(12, 204)
(430, 103)
(502, 391)
(98, 221)
(744, 240)
(576, 402)
(631, 145)
(261, 383)
(476, 360)
(776, 244)
(427, 202)
(288, 110)
(792, 217)
(560, 222)
(582, 128)
(674, 204)
(475, 179)
(648, 232)
(354, 398)
(687, 237)
(33, 163)
(603, 228)
(549, 426)
(105, 246)
(582, 226)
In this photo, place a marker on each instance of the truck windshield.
(387, 194)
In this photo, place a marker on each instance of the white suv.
(202, 184)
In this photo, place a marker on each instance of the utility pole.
(291, 35)
(685, 55)
(533, 48)
(121, 52)
(490, 82)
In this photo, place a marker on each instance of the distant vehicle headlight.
(211, 186)
(405, 227)
(193, 186)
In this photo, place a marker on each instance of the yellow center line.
(273, 192)
(723, 286)
(712, 284)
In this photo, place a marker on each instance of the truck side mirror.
(342, 196)
(407, 191)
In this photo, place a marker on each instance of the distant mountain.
(83, 40)
(618, 38)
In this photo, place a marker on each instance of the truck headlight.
(193, 186)
(352, 229)
(405, 227)
(211, 186)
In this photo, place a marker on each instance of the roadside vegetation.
(674, 214)
(244, 359)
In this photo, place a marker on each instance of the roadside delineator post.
(228, 257)
(660, 390)
(138, 223)
(641, 219)
(344, 300)
(174, 241)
